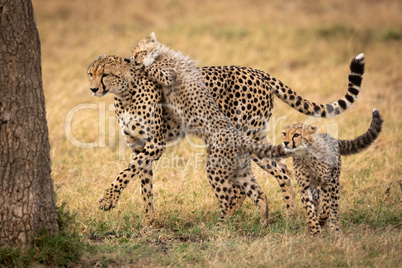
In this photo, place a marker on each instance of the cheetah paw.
(219, 225)
(105, 204)
(150, 58)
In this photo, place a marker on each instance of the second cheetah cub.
(317, 165)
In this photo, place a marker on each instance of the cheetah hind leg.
(283, 176)
(234, 194)
(316, 195)
(334, 212)
(245, 180)
(325, 209)
(220, 184)
(240, 196)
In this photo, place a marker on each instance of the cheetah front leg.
(140, 162)
(283, 176)
(161, 72)
(306, 198)
(314, 226)
(278, 170)
(173, 134)
(146, 176)
(112, 195)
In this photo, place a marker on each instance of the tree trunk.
(27, 201)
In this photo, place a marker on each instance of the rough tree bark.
(27, 201)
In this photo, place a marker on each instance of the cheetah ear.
(132, 59)
(101, 56)
(313, 129)
(151, 38)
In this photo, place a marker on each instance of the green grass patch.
(393, 34)
(58, 249)
(380, 215)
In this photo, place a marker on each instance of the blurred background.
(306, 44)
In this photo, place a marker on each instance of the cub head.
(108, 74)
(143, 52)
(298, 136)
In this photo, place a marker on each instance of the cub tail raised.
(348, 147)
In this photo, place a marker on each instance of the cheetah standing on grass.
(317, 165)
(244, 95)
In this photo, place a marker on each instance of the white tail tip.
(360, 56)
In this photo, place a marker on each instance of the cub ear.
(313, 129)
(151, 38)
(101, 56)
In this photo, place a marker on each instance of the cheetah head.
(145, 51)
(108, 74)
(297, 137)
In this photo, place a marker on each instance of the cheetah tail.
(348, 147)
(263, 150)
(304, 106)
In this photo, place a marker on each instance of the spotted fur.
(317, 165)
(244, 95)
(228, 150)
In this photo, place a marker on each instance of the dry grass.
(306, 44)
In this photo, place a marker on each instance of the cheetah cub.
(317, 165)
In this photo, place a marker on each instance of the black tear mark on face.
(103, 85)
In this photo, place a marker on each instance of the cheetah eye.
(104, 75)
(90, 74)
(296, 135)
(284, 133)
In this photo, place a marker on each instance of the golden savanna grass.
(306, 44)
